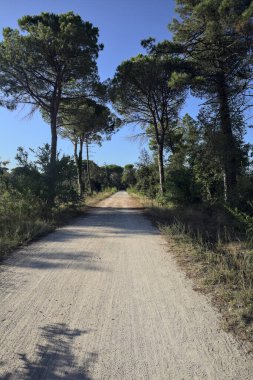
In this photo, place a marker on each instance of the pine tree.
(216, 36)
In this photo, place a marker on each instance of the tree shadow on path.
(56, 360)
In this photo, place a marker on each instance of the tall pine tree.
(216, 36)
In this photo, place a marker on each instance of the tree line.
(209, 57)
(50, 64)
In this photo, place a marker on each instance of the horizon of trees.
(210, 57)
(50, 63)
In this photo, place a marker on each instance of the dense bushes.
(24, 210)
(22, 217)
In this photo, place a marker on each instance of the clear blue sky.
(122, 24)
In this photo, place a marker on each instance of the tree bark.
(55, 102)
(228, 141)
(160, 145)
(88, 166)
(161, 167)
(52, 164)
(78, 161)
(80, 168)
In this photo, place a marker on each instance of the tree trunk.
(88, 166)
(159, 144)
(52, 164)
(78, 162)
(161, 167)
(55, 102)
(228, 141)
(225, 187)
(80, 168)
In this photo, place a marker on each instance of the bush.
(181, 187)
(21, 219)
(245, 218)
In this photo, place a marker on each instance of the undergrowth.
(25, 218)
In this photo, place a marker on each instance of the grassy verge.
(211, 248)
(97, 197)
(24, 220)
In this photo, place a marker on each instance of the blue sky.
(122, 25)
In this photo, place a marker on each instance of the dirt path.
(103, 299)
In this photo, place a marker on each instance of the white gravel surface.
(103, 299)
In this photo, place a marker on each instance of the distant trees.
(141, 93)
(112, 176)
(128, 176)
(49, 62)
(84, 122)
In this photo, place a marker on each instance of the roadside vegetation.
(24, 212)
(50, 64)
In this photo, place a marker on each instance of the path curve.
(103, 298)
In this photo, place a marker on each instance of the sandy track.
(103, 299)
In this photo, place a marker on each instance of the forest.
(196, 173)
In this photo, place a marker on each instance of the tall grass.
(25, 217)
(20, 220)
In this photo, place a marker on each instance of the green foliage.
(51, 60)
(245, 218)
(83, 123)
(211, 54)
(20, 218)
(33, 177)
(88, 120)
(141, 94)
(129, 176)
(146, 176)
(217, 40)
(103, 177)
(112, 176)
(96, 176)
(48, 50)
(181, 186)
(24, 211)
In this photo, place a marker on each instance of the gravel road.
(103, 298)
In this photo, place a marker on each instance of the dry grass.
(97, 197)
(210, 248)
